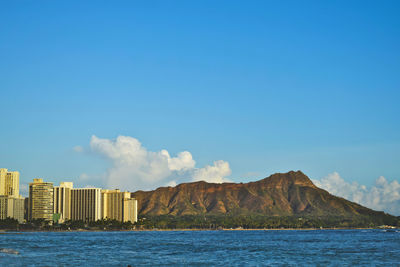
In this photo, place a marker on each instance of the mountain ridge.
(280, 194)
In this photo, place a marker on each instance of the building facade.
(9, 183)
(118, 205)
(62, 201)
(40, 200)
(12, 207)
(86, 204)
(11, 203)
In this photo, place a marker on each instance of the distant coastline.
(2, 232)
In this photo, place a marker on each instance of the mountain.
(281, 194)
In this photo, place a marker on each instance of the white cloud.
(171, 183)
(134, 167)
(213, 174)
(383, 196)
(184, 161)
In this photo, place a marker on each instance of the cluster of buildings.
(63, 202)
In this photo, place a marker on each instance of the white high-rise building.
(12, 207)
(9, 183)
(118, 205)
(86, 204)
(11, 203)
(62, 201)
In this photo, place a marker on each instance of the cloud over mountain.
(213, 174)
(134, 167)
(383, 195)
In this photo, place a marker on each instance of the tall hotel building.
(12, 207)
(40, 200)
(11, 203)
(86, 204)
(9, 183)
(92, 204)
(118, 205)
(62, 201)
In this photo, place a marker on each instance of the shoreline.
(187, 230)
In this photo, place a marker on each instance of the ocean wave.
(9, 251)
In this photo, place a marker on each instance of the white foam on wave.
(9, 251)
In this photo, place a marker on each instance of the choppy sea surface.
(215, 248)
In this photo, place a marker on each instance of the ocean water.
(199, 248)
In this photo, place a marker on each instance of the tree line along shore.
(207, 222)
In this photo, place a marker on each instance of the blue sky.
(268, 86)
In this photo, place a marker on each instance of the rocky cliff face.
(291, 193)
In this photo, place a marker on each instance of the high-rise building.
(9, 183)
(62, 201)
(86, 204)
(40, 200)
(11, 203)
(12, 207)
(118, 205)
